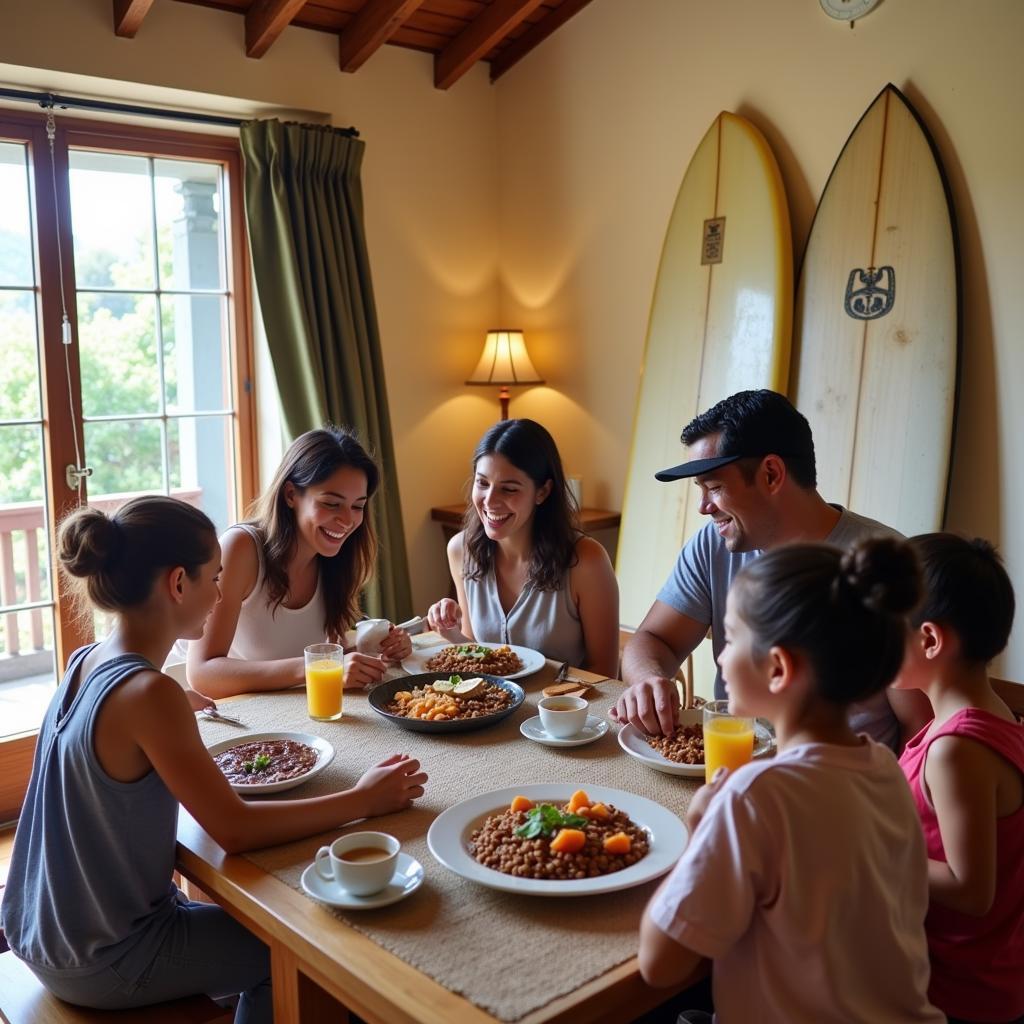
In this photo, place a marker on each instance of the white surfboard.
(876, 338)
(720, 323)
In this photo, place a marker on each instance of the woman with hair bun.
(293, 574)
(90, 904)
(805, 878)
(524, 572)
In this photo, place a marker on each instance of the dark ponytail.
(845, 611)
(114, 560)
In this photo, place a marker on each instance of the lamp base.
(503, 396)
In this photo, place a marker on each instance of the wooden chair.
(23, 1000)
(684, 677)
(1012, 694)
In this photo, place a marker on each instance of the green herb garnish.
(454, 679)
(259, 764)
(473, 651)
(545, 820)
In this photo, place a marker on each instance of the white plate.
(407, 879)
(449, 834)
(325, 754)
(532, 660)
(593, 730)
(632, 741)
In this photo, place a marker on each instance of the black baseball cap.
(699, 466)
(750, 424)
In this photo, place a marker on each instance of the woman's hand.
(362, 670)
(197, 701)
(396, 646)
(445, 616)
(391, 785)
(703, 797)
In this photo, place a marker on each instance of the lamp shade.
(505, 360)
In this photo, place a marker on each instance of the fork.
(214, 714)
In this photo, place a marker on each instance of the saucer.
(593, 730)
(407, 879)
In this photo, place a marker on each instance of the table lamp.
(504, 361)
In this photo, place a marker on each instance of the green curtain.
(304, 208)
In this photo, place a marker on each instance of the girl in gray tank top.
(523, 571)
(90, 905)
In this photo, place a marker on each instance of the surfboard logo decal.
(870, 293)
(713, 242)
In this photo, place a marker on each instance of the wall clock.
(848, 10)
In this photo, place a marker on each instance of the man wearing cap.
(753, 460)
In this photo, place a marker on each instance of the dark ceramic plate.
(382, 694)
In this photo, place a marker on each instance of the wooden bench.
(23, 1000)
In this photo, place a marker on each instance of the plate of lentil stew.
(270, 762)
(484, 826)
(682, 753)
(412, 703)
(472, 659)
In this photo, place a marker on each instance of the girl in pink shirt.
(804, 880)
(966, 771)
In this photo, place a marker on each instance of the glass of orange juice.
(325, 675)
(728, 739)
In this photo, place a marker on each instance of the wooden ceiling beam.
(533, 37)
(370, 29)
(480, 36)
(265, 21)
(128, 15)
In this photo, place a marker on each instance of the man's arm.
(649, 661)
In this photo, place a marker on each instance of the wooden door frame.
(70, 630)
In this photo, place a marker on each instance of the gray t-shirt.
(700, 581)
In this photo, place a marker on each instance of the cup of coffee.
(370, 634)
(563, 717)
(362, 863)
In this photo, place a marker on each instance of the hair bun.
(882, 573)
(88, 541)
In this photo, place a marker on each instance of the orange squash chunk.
(568, 840)
(520, 803)
(617, 844)
(579, 799)
(599, 812)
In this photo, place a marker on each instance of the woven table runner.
(509, 954)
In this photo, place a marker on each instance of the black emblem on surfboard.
(870, 293)
(713, 241)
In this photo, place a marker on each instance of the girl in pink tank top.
(966, 772)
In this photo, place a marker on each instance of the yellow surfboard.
(720, 322)
(877, 333)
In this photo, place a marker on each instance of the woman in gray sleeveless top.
(90, 905)
(523, 571)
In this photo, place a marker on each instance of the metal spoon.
(218, 717)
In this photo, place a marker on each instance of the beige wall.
(596, 129)
(544, 199)
(430, 185)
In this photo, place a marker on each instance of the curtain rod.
(49, 99)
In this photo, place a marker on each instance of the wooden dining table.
(380, 964)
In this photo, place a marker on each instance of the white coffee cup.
(370, 634)
(563, 717)
(362, 863)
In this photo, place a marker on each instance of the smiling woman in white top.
(524, 572)
(293, 574)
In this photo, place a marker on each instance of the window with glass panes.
(153, 395)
